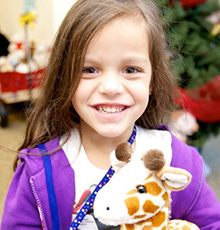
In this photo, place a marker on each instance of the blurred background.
(27, 29)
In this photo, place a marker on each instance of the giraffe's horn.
(154, 160)
(123, 152)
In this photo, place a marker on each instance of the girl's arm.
(196, 203)
(20, 211)
(205, 211)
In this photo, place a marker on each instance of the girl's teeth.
(110, 109)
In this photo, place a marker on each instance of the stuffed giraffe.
(138, 196)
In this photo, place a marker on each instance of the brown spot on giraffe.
(158, 219)
(143, 222)
(166, 196)
(132, 192)
(147, 228)
(185, 228)
(149, 177)
(133, 205)
(130, 226)
(139, 216)
(149, 207)
(153, 188)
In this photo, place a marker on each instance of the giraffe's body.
(172, 225)
(138, 196)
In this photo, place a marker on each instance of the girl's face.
(114, 88)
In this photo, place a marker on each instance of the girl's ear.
(174, 179)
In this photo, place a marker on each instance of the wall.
(60, 10)
(50, 14)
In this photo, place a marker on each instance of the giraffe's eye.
(141, 189)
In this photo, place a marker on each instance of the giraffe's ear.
(174, 179)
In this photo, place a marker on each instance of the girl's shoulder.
(186, 157)
(32, 157)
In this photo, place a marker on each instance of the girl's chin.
(114, 131)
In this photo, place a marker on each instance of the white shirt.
(86, 174)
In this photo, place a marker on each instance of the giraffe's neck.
(158, 221)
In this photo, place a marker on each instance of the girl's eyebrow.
(91, 59)
(126, 58)
(137, 59)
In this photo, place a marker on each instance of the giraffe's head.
(139, 189)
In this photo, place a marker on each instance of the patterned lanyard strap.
(89, 203)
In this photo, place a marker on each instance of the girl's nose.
(111, 84)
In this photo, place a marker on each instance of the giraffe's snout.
(110, 212)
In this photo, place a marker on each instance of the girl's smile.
(110, 109)
(110, 113)
(114, 88)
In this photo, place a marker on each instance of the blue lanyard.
(50, 187)
(89, 203)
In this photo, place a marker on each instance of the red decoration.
(203, 102)
(189, 3)
(18, 45)
(13, 81)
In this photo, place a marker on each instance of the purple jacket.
(28, 192)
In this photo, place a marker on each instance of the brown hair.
(53, 113)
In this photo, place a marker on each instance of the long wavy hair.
(53, 114)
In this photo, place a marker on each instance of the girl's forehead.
(128, 32)
(126, 18)
(130, 20)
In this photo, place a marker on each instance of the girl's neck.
(98, 148)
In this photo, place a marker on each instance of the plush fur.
(138, 195)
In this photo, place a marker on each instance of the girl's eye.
(89, 70)
(130, 70)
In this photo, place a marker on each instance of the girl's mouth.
(110, 108)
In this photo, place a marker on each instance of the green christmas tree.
(194, 47)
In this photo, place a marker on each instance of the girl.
(107, 72)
